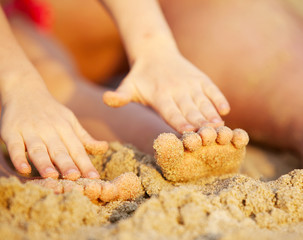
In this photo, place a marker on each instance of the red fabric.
(39, 12)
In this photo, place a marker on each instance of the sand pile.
(229, 207)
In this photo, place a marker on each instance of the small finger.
(16, 149)
(38, 154)
(60, 156)
(217, 98)
(120, 97)
(91, 145)
(172, 115)
(115, 99)
(207, 108)
(190, 111)
(78, 153)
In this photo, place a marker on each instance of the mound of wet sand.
(227, 207)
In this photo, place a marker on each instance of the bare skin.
(33, 121)
(125, 187)
(54, 137)
(46, 69)
(85, 99)
(185, 105)
(78, 95)
(207, 153)
(240, 46)
(268, 117)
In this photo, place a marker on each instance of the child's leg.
(253, 50)
(131, 124)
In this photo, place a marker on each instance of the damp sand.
(257, 204)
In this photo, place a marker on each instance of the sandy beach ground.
(264, 201)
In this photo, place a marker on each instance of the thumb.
(118, 98)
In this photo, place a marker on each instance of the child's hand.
(49, 132)
(185, 97)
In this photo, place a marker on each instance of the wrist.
(142, 26)
(152, 45)
(17, 84)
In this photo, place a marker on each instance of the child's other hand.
(185, 97)
(51, 135)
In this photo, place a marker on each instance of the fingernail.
(216, 120)
(93, 174)
(49, 170)
(202, 122)
(188, 128)
(224, 108)
(72, 174)
(71, 171)
(25, 168)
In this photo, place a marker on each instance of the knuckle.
(79, 153)
(162, 103)
(8, 133)
(178, 120)
(36, 149)
(208, 110)
(210, 89)
(172, 115)
(198, 96)
(59, 152)
(185, 106)
(205, 105)
(210, 113)
(18, 158)
(14, 147)
(193, 114)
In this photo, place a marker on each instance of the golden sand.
(229, 207)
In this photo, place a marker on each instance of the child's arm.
(32, 121)
(160, 76)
